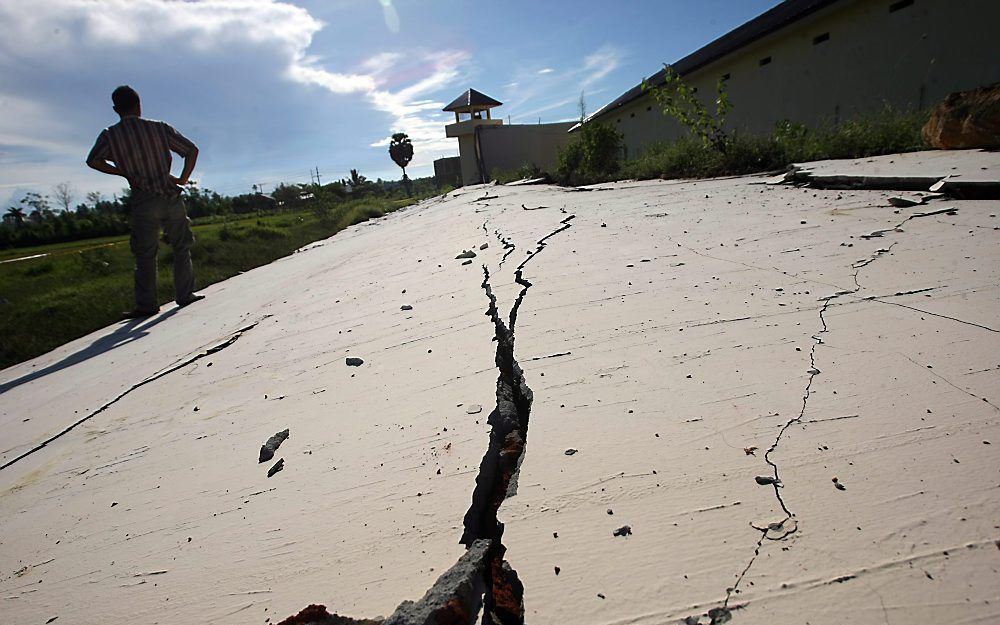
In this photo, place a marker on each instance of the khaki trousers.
(150, 213)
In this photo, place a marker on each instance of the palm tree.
(401, 152)
(15, 214)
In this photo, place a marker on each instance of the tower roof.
(470, 101)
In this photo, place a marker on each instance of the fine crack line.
(949, 382)
(180, 365)
(933, 314)
(722, 613)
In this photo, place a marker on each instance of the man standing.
(139, 150)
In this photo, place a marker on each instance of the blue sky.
(268, 89)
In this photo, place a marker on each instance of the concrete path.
(788, 396)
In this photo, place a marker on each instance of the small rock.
(901, 202)
(354, 362)
(610, 511)
(570, 451)
(624, 530)
(814, 371)
(474, 409)
(114, 503)
(601, 595)
(267, 449)
(557, 570)
(466, 254)
(839, 486)
(406, 307)
(764, 480)
(279, 465)
(467, 262)
(483, 246)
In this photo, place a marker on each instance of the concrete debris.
(456, 596)
(267, 449)
(278, 466)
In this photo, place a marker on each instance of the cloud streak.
(58, 36)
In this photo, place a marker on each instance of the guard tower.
(469, 109)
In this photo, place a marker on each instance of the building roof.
(470, 101)
(773, 20)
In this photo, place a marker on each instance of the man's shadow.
(129, 331)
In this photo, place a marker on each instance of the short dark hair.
(125, 99)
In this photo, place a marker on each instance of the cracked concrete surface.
(684, 337)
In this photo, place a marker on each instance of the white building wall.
(909, 58)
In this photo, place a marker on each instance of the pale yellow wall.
(467, 152)
(509, 147)
(910, 58)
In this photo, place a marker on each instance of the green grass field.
(81, 286)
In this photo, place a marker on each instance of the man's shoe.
(139, 313)
(194, 298)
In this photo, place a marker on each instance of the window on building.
(901, 4)
(818, 39)
(764, 61)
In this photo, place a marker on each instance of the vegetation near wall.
(709, 149)
(882, 132)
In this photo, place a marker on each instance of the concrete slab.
(970, 174)
(681, 339)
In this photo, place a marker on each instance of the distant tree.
(63, 192)
(356, 179)
(15, 215)
(582, 107)
(94, 198)
(39, 205)
(401, 152)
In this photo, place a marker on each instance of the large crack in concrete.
(498, 471)
(482, 581)
(176, 366)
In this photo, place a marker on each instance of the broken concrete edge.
(456, 596)
(953, 187)
(315, 614)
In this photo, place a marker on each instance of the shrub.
(887, 131)
(595, 154)
(525, 171)
(39, 269)
(96, 261)
(265, 233)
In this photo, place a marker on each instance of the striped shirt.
(141, 148)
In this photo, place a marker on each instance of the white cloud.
(547, 70)
(58, 33)
(601, 63)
